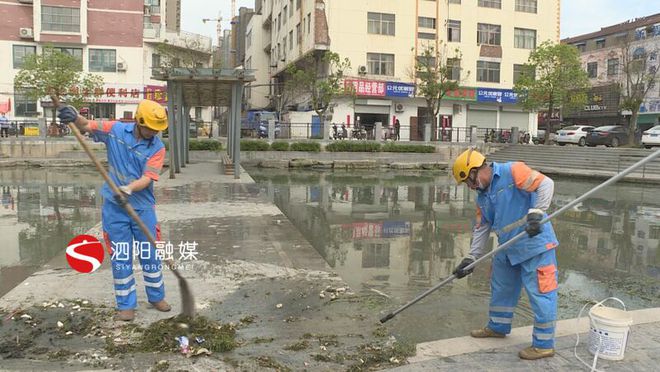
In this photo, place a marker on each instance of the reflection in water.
(41, 211)
(400, 234)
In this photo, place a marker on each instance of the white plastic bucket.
(609, 330)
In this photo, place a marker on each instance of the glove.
(460, 271)
(67, 114)
(534, 217)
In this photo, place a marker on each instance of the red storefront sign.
(156, 93)
(366, 87)
(462, 94)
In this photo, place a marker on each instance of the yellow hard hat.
(465, 162)
(152, 115)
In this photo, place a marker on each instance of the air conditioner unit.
(362, 70)
(398, 107)
(26, 33)
(121, 66)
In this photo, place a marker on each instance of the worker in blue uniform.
(135, 158)
(513, 198)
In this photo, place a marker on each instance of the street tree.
(639, 65)
(57, 75)
(552, 78)
(437, 72)
(319, 78)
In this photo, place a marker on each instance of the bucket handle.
(610, 298)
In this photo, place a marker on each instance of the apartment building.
(602, 54)
(382, 39)
(115, 39)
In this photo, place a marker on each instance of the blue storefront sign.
(393, 89)
(496, 95)
(393, 229)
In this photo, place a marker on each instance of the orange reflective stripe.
(104, 126)
(155, 164)
(525, 177)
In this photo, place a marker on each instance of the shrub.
(204, 145)
(353, 146)
(280, 146)
(254, 145)
(306, 146)
(391, 147)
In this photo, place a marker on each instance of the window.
(102, 60)
(520, 70)
(155, 60)
(290, 8)
(426, 63)
(581, 47)
(23, 105)
(102, 110)
(284, 14)
(454, 65)
(454, 31)
(380, 23)
(56, 18)
(290, 40)
(279, 21)
(198, 113)
(488, 34)
(426, 35)
(426, 22)
(612, 66)
(77, 53)
(20, 52)
(376, 255)
(309, 22)
(527, 6)
(454, 1)
(654, 232)
(298, 34)
(524, 38)
(284, 49)
(592, 69)
(488, 71)
(297, 4)
(380, 64)
(600, 43)
(248, 39)
(491, 4)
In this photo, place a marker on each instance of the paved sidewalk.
(469, 354)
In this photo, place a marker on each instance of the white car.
(576, 134)
(651, 137)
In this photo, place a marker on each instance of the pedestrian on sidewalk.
(513, 198)
(135, 158)
(4, 126)
(397, 130)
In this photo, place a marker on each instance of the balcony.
(151, 31)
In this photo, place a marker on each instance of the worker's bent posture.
(513, 198)
(135, 157)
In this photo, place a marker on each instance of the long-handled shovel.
(187, 300)
(450, 278)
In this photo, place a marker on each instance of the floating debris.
(26, 316)
(60, 324)
(69, 333)
(184, 345)
(279, 306)
(322, 295)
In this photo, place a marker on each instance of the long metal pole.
(238, 89)
(179, 127)
(170, 119)
(561, 210)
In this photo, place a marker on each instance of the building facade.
(382, 39)
(602, 53)
(118, 40)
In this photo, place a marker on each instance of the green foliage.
(254, 145)
(392, 147)
(353, 146)
(58, 75)
(204, 145)
(434, 76)
(552, 77)
(280, 146)
(319, 76)
(306, 146)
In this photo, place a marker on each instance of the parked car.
(576, 134)
(651, 137)
(608, 135)
(539, 138)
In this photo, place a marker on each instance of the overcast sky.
(577, 16)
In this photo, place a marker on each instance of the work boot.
(533, 353)
(161, 305)
(125, 315)
(486, 332)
